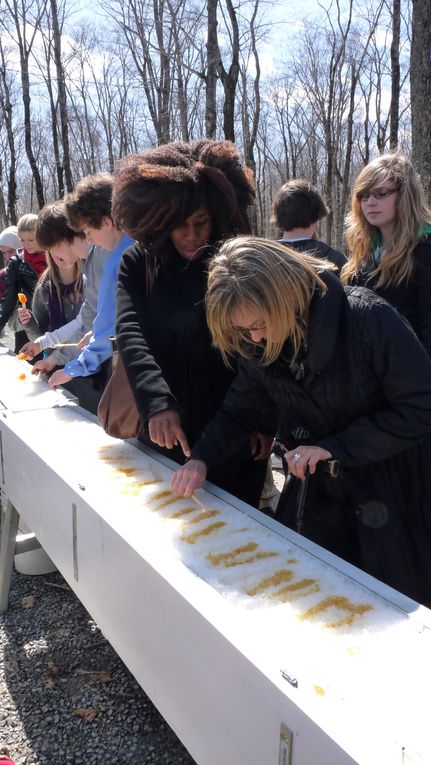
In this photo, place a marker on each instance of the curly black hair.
(155, 191)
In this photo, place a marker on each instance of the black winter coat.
(319, 250)
(364, 394)
(413, 298)
(19, 277)
(166, 347)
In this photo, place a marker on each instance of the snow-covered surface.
(359, 660)
(21, 390)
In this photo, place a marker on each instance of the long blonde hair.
(264, 275)
(52, 280)
(413, 220)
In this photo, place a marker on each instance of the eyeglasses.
(248, 330)
(364, 196)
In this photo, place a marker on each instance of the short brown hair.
(297, 204)
(90, 202)
(52, 226)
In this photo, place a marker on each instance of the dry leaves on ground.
(100, 677)
(28, 601)
(87, 713)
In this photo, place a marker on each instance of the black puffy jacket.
(363, 392)
(411, 298)
(19, 277)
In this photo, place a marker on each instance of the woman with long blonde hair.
(349, 385)
(388, 234)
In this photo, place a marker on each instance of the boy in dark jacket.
(296, 211)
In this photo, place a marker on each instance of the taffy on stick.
(22, 299)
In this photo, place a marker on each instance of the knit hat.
(9, 238)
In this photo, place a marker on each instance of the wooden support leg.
(9, 529)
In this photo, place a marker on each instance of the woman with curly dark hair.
(179, 201)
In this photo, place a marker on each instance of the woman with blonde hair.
(389, 238)
(57, 297)
(351, 388)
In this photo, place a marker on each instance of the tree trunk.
(54, 130)
(62, 98)
(229, 78)
(420, 88)
(164, 84)
(250, 131)
(395, 71)
(211, 77)
(19, 20)
(7, 109)
(25, 81)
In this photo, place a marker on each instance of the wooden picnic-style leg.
(9, 529)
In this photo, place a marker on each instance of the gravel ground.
(65, 695)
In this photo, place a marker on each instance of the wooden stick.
(199, 502)
(65, 345)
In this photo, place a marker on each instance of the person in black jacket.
(21, 275)
(178, 201)
(388, 233)
(296, 210)
(352, 388)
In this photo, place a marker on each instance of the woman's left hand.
(24, 315)
(189, 477)
(301, 457)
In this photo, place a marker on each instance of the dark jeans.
(88, 390)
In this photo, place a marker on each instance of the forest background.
(305, 89)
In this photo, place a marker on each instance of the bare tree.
(57, 28)
(420, 79)
(9, 211)
(229, 74)
(26, 16)
(358, 52)
(147, 30)
(213, 55)
(250, 106)
(395, 71)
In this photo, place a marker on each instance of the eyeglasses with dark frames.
(248, 330)
(364, 196)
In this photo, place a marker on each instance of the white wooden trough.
(258, 647)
